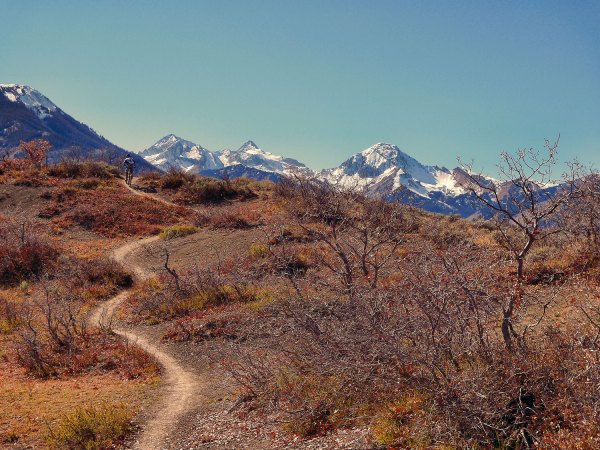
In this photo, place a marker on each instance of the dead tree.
(359, 235)
(581, 216)
(523, 204)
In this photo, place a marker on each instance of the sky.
(319, 80)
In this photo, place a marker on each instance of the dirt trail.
(150, 196)
(180, 385)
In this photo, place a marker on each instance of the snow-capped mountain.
(384, 168)
(30, 98)
(27, 114)
(174, 152)
(250, 155)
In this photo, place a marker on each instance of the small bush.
(200, 329)
(156, 300)
(9, 316)
(230, 220)
(87, 169)
(174, 179)
(395, 425)
(88, 184)
(258, 251)
(106, 272)
(92, 428)
(213, 191)
(9, 437)
(23, 257)
(178, 231)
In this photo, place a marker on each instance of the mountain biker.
(129, 165)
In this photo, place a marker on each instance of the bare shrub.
(203, 190)
(10, 317)
(23, 252)
(431, 333)
(176, 231)
(230, 219)
(361, 234)
(581, 216)
(172, 295)
(418, 355)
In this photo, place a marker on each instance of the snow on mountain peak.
(384, 166)
(173, 151)
(248, 145)
(30, 98)
(250, 155)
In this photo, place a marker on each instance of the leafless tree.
(524, 203)
(581, 215)
(110, 156)
(361, 234)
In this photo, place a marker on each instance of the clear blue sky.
(318, 80)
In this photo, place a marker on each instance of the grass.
(29, 408)
(92, 427)
(178, 231)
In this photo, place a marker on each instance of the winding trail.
(180, 384)
(150, 196)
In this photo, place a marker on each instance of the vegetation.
(51, 274)
(178, 231)
(371, 314)
(92, 428)
(23, 254)
(338, 310)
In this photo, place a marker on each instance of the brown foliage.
(83, 169)
(110, 212)
(24, 253)
(203, 190)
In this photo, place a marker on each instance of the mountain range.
(248, 160)
(380, 170)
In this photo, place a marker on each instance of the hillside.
(290, 315)
(26, 114)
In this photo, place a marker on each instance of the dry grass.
(178, 231)
(92, 427)
(111, 212)
(29, 407)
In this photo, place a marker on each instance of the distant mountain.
(27, 114)
(240, 170)
(250, 155)
(249, 160)
(175, 152)
(383, 170)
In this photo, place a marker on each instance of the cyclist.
(129, 165)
